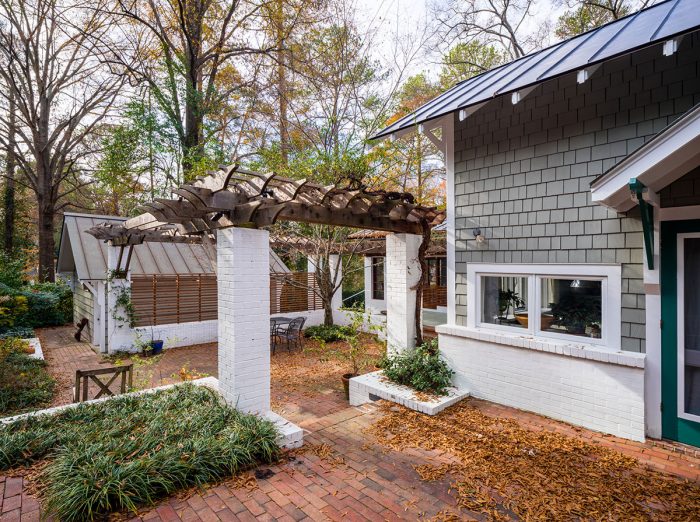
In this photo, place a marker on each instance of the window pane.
(504, 300)
(572, 306)
(378, 278)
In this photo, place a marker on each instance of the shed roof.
(86, 255)
(647, 27)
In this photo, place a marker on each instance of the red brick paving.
(372, 483)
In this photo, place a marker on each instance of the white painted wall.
(589, 387)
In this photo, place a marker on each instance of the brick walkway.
(358, 480)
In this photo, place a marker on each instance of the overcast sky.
(388, 17)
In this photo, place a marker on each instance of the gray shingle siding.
(682, 192)
(523, 172)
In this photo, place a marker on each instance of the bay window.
(581, 303)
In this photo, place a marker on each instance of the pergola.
(230, 207)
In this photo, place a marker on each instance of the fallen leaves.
(323, 451)
(315, 368)
(506, 471)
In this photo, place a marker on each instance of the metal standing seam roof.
(647, 27)
(87, 256)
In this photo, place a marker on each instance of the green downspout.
(647, 211)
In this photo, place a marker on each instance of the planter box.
(38, 353)
(374, 386)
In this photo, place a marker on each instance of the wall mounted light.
(480, 239)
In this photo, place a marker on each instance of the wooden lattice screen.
(434, 296)
(293, 292)
(172, 299)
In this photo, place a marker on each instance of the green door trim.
(672, 426)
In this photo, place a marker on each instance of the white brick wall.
(243, 271)
(603, 396)
(402, 272)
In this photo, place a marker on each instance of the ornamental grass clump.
(421, 368)
(130, 451)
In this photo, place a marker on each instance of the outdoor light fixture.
(478, 236)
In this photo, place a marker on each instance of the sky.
(406, 17)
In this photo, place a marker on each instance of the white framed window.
(579, 303)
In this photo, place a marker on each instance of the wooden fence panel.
(173, 299)
(434, 296)
(294, 292)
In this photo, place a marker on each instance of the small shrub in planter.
(421, 368)
(328, 334)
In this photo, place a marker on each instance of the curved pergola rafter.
(236, 197)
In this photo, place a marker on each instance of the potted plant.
(357, 353)
(576, 313)
(149, 348)
(508, 300)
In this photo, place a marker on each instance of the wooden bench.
(83, 378)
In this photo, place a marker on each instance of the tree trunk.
(9, 195)
(328, 313)
(47, 243)
(421, 281)
(282, 83)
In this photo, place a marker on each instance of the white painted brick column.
(120, 336)
(402, 274)
(243, 275)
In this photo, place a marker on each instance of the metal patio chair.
(292, 334)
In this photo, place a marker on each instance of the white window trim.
(611, 304)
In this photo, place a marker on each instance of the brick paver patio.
(342, 473)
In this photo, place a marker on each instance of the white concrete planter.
(289, 435)
(38, 353)
(374, 386)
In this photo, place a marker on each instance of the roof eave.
(667, 157)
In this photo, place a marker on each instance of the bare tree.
(183, 50)
(501, 23)
(331, 251)
(10, 167)
(50, 65)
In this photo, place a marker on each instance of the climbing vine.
(122, 301)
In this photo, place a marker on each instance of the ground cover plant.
(422, 368)
(24, 381)
(503, 470)
(328, 334)
(126, 452)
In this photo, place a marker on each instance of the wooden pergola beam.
(233, 197)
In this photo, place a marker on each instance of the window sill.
(540, 344)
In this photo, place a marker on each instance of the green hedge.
(45, 304)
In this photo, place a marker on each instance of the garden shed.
(173, 286)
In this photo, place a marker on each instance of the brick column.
(402, 274)
(120, 335)
(243, 276)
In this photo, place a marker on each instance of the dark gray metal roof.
(642, 29)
